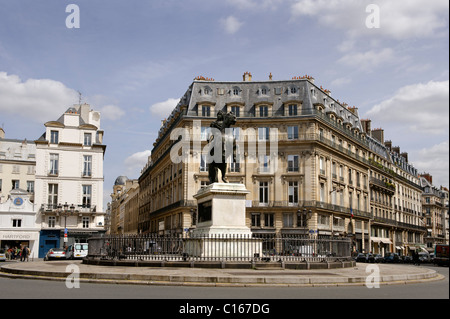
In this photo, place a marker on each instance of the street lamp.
(305, 214)
(65, 210)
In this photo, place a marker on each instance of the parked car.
(406, 259)
(378, 258)
(55, 253)
(2, 255)
(361, 258)
(78, 250)
(392, 258)
(370, 258)
(424, 257)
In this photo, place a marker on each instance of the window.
(288, 219)
(263, 111)
(292, 132)
(292, 109)
(293, 90)
(85, 221)
(350, 181)
(236, 91)
(87, 165)
(256, 220)
(87, 139)
(16, 169)
(53, 195)
(321, 136)
(205, 133)
(263, 133)
(54, 163)
(206, 111)
(87, 193)
(30, 186)
(263, 91)
(15, 184)
(203, 165)
(264, 163)
(54, 137)
(333, 170)
(263, 193)
(322, 165)
(322, 192)
(234, 167)
(269, 219)
(0, 185)
(207, 91)
(293, 193)
(51, 221)
(292, 163)
(16, 223)
(301, 220)
(236, 110)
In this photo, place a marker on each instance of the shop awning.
(385, 240)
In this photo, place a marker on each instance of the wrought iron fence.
(259, 248)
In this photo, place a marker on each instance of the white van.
(77, 251)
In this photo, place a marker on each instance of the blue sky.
(132, 60)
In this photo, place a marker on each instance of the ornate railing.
(269, 248)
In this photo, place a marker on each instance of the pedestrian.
(416, 258)
(24, 253)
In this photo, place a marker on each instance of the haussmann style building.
(311, 165)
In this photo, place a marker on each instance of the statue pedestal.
(221, 228)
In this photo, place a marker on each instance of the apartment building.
(309, 162)
(69, 178)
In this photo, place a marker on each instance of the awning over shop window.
(385, 240)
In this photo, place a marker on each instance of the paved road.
(23, 288)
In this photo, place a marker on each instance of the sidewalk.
(59, 270)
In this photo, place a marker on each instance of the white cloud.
(434, 160)
(399, 19)
(369, 60)
(231, 24)
(111, 112)
(419, 107)
(163, 109)
(40, 100)
(255, 4)
(135, 162)
(340, 82)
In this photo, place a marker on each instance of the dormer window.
(87, 139)
(54, 137)
(207, 90)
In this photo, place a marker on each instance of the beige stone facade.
(308, 162)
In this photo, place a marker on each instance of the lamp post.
(306, 215)
(65, 210)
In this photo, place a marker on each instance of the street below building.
(45, 289)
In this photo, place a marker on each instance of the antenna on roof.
(79, 97)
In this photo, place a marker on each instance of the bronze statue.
(224, 121)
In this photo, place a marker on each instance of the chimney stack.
(247, 77)
(378, 134)
(366, 124)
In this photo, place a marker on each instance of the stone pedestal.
(221, 230)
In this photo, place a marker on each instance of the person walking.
(24, 254)
(416, 258)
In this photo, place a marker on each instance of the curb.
(220, 281)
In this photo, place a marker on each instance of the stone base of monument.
(221, 230)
